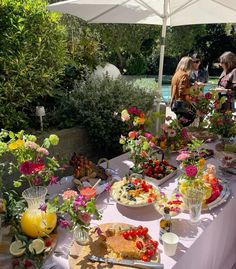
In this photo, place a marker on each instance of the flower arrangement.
(30, 159)
(223, 124)
(74, 210)
(141, 144)
(173, 136)
(204, 103)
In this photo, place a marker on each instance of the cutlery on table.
(130, 263)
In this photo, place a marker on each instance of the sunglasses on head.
(196, 61)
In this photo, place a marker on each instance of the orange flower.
(132, 134)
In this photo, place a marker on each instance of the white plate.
(150, 181)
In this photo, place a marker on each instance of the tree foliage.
(32, 55)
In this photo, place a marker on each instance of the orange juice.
(35, 223)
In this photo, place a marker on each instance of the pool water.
(166, 91)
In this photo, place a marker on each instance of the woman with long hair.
(180, 92)
(227, 80)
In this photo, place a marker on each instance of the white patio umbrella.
(159, 12)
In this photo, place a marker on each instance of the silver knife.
(131, 263)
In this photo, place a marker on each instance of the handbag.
(185, 110)
(180, 106)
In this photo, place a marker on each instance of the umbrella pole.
(161, 63)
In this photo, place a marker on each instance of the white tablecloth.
(210, 244)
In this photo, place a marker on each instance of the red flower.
(29, 168)
(134, 110)
(38, 167)
(26, 168)
(208, 95)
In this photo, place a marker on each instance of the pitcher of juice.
(36, 222)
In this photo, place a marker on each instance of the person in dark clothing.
(227, 80)
(199, 74)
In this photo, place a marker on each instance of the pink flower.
(191, 170)
(36, 181)
(164, 127)
(43, 151)
(184, 134)
(148, 135)
(171, 133)
(84, 217)
(53, 180)
(43, 207)
(67, 195)
(30, 144)
(64, 223)
(182, 156)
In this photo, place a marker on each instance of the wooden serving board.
(78, 258)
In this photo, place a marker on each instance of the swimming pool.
(166, 90)
(150, 84)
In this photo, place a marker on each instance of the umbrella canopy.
(160, 12)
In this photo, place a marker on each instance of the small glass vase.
(34, 221)
(193, 199)
(81, 236)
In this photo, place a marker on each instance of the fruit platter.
(114, 241)
(86, 173)
(159, 170)
(135, 192)
(175, 203)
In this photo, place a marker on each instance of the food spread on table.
(175, 203)
(133, 191)
(157, 169)
(117, 240)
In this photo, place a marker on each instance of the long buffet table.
(209, 244)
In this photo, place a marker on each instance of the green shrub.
(98, 103)
(32, 55)
(136, 65)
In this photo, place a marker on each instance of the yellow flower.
(138, 120)
(201, 163)
(125, 115)
(17, 144)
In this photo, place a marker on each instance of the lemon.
(17, 248)
(37, 246)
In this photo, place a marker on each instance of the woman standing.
(227, 80)
(180, 92)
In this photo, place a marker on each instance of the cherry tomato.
(139, 245)
(126, 235)
(144, 258)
